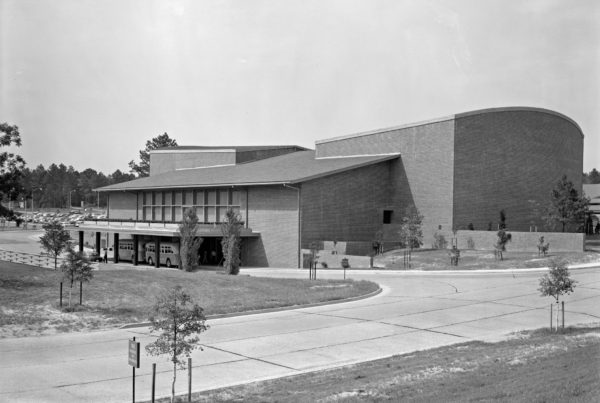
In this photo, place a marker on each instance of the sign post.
(134, 360)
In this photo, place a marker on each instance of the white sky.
(88, 81)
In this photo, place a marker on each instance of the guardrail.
(29, 259)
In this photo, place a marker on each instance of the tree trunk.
(55, 261)
(70, 292)
(173, 384)
(174, 357)
(557, 314)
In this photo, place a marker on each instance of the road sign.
(134, 353)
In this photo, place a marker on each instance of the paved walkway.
(415, 311)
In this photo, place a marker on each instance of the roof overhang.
(154, 229)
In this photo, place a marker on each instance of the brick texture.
(346, 207)
(272, 211)
(511, 160)
(424, 174)
(165, 162)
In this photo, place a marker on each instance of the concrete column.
(98, 243)
(136, 242)
(80, 241)
(116, 248)
(157, 251)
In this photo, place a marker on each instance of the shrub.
(439, 241)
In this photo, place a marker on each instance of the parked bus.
(126, 250)
(169, 254)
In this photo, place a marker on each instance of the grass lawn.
(435, 259)
(537, 366)
(29, 296)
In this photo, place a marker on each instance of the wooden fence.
(29, 259)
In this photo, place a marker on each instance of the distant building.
(459, 171)
(593, 192)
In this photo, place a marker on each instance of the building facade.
(459, 171)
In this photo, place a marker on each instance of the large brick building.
(458, 171)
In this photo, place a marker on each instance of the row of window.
(175, 213)
(210, 205)
(215, 197)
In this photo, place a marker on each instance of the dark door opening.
(210, 252)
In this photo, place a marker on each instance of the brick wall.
(253, 155)
(423, 175)
(346, 207)
(511, 160)
(521, 241)
(164, 162)
(122, 205)
(272, 211)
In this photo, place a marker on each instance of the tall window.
(210, 204)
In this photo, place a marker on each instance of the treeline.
(59, 185)
(592, 177)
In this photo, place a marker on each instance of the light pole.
(33, 190)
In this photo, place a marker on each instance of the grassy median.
(29, 296)
(536, 366)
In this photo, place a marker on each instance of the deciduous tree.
(503, 238)
(189, 241)
(11, 165)
(566, 206)
(55, 239)
(143, 168)
(556, 282)
(411, 234)
(592, 177)
(179, 321)
(76, 267)
(230, 242)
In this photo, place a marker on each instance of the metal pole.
(189, 379)
(133, 380)
(153, 380)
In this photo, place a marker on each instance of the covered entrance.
(210, 252)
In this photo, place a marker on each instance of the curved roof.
(455, 116)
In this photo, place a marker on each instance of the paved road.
(415, 311)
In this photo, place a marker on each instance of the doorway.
(210, 252)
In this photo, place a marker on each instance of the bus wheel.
(150, 261)
(169, 263)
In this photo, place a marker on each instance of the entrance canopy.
(155, 229)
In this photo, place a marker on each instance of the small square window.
(387, 216)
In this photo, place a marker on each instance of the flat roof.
(223, 148)
(289, 168)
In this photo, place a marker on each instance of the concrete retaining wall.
(521, 241)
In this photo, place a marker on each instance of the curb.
(276, 309)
